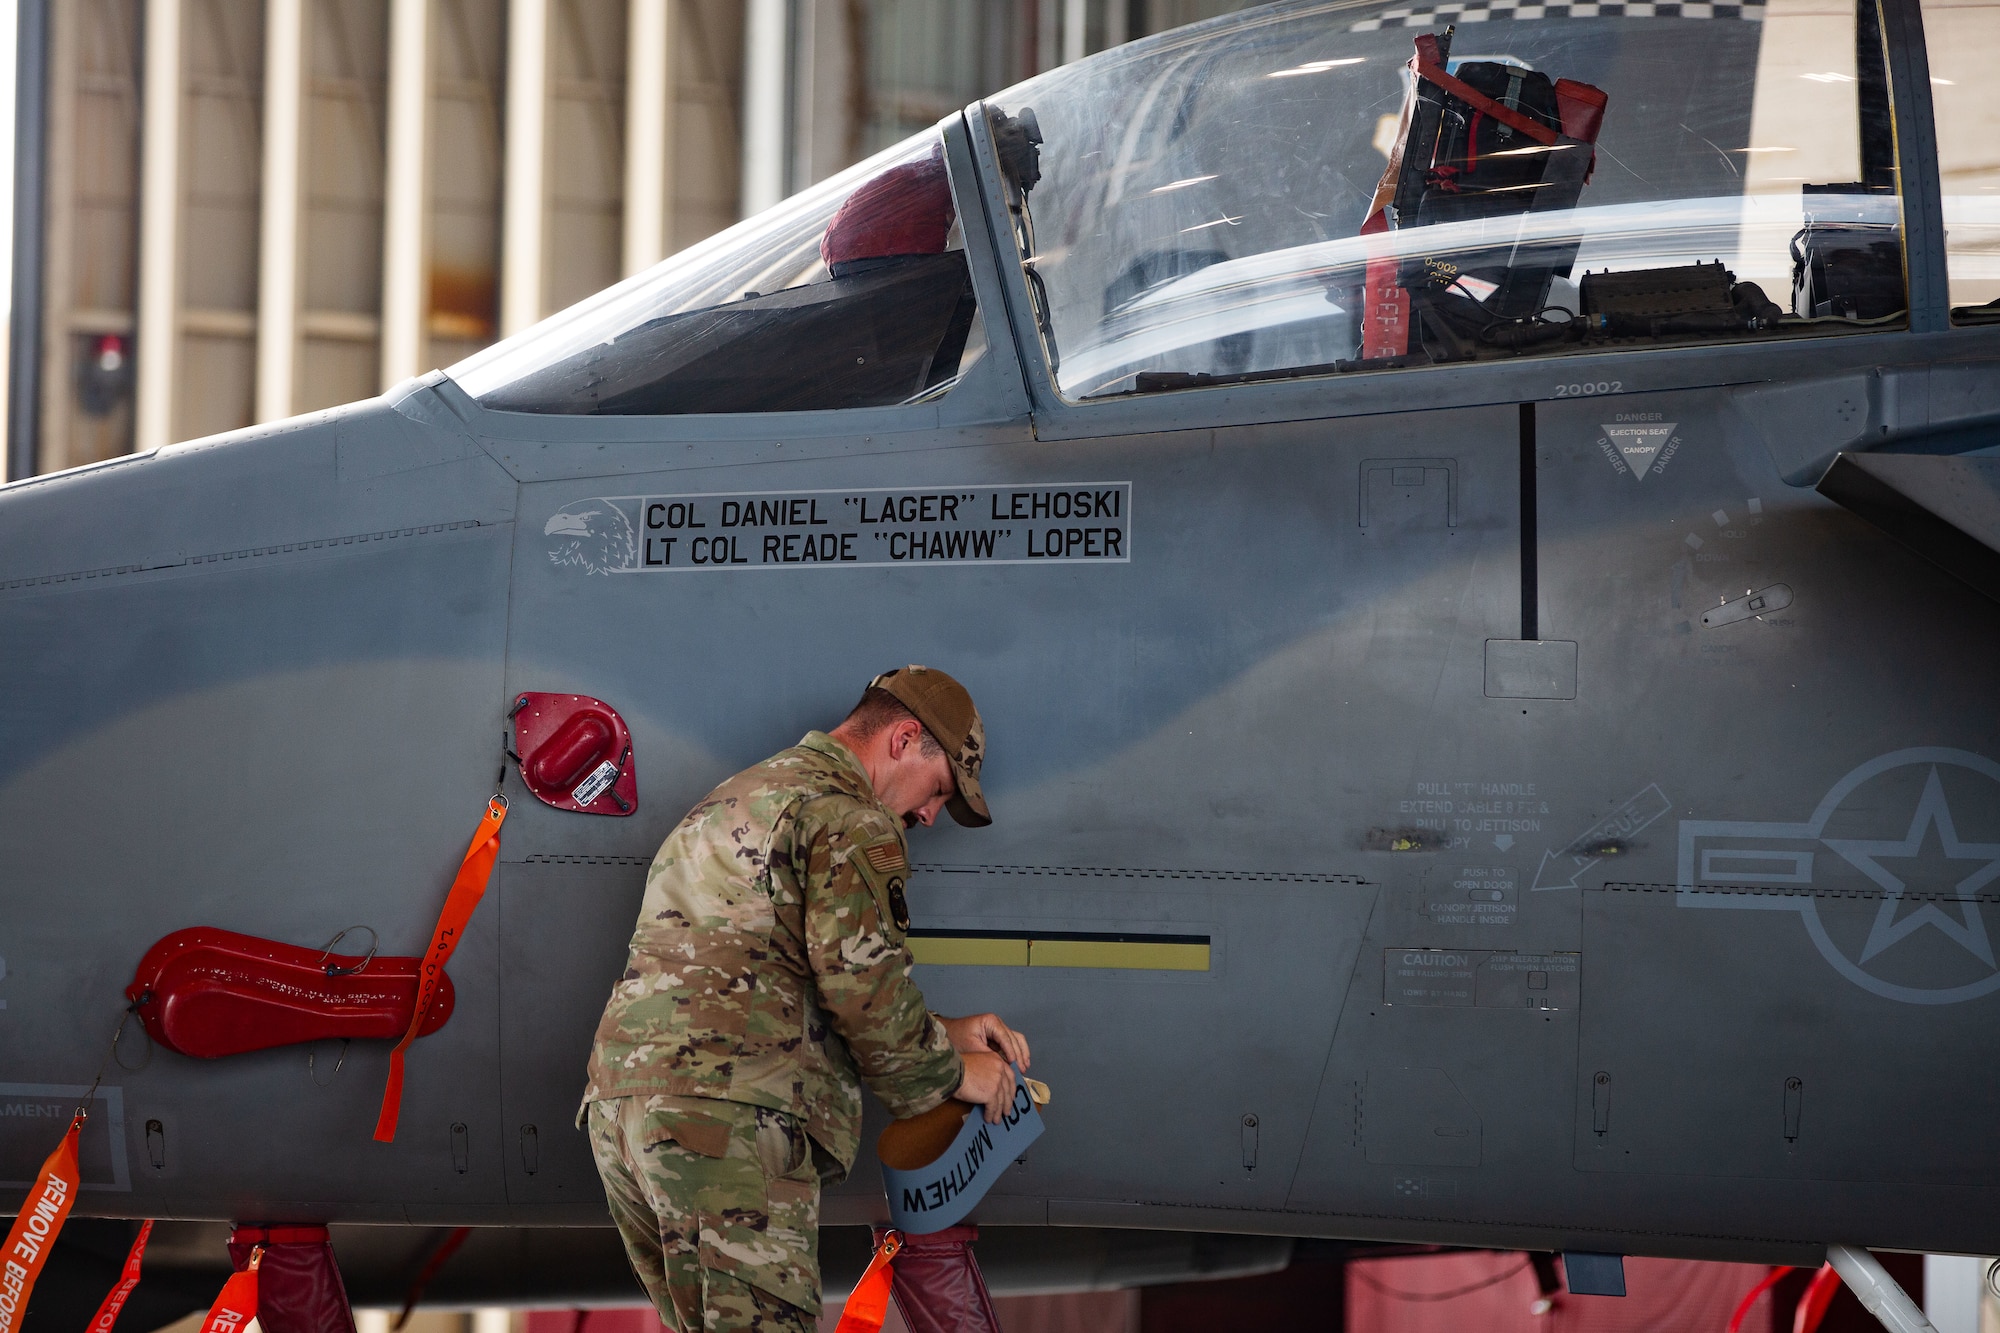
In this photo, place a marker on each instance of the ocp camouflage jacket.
(769, 963)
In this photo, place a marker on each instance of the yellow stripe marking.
(963, 951)
(1118, 953)
(959, 952)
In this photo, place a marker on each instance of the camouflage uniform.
(768, 976)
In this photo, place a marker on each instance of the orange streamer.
(466, 890)
(114, 1301)
(868, 1306)
(236, 1305)
(34, 1231)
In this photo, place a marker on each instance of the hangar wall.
(255, 208)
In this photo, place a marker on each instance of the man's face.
(917, 784)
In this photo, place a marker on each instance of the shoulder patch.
(886, 870)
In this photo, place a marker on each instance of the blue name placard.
(934, 1197)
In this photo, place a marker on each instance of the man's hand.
(988, 1082)
(985, 1032)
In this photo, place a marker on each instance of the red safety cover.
(207, 992)
(564, 740)
(907, 210)
(938, 1288)
(1582, 109)
(298, 1283)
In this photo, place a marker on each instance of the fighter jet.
(1473, 529)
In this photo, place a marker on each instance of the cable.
(1771, 1279)
(110, 1053)
(1790, 320)
(445, 1249)
(1394, 1294)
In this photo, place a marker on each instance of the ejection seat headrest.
(905, 210)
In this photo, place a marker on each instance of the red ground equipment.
(298, 1283)
(575, 753)
(938, 1287)
(934, 1280)
(207, 993)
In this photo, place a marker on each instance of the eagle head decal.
(594, 535)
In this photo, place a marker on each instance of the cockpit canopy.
(1317, 188)
(1307, 188)
(852, 294)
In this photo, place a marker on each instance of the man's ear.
(902, 736)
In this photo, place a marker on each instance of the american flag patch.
(886, 857)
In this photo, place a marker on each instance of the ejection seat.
(1490, 143)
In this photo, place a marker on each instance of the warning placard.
(1481, 978)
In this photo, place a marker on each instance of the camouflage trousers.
(718, 1205)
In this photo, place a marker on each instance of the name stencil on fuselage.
(1075, 523)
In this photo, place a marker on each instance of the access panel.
(565, 922)
(1721, 1037)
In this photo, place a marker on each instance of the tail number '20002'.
(1590, 388)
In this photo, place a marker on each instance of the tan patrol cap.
(948, 713)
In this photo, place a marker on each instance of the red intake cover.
(298, 1282)
(571, 746)
(938, 1287)
(207, 992)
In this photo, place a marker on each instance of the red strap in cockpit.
(1429, 67)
